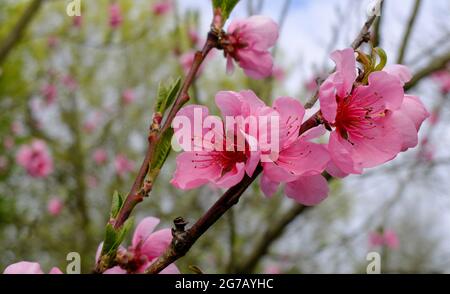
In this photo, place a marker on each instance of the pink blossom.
(100, 156)
(193, 36)
(272, 270)
(371, 123)
(115, 16)
(49, 92)
(162, 7)
(387, 238)
(123, 165)
(300, 162)
(128, 96)
(26, 267)
(221, 165)
(442, 78)
(146, 246)
(249, 41)
(55, 206)
(36, 159)
(77, 21)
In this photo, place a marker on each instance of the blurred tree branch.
(434, 65)
(409, 29)
(17, 32)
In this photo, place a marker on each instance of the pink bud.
(55, 206)
(128, 96)
(115, 16)
(100, 156)
(77, 21)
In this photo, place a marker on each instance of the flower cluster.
(36, 159)
(370, 123)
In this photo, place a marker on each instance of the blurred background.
(79, 93)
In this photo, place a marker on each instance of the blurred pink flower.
(371, 123)
(123, 165)
(388, 238)
(115, 16)
(77, 21)
(55, 206)
(249, 41)
(128, 96)
(29, 268)
(36, 159)
(49, 92)
(272, 270)
(186, 61)
(8, 143)
(70, 83)
(434, 118)
(193, 36)
(52, 42)
(391, 239)
(146, 246)
(162, 7)
(100, 156)
(443, 79)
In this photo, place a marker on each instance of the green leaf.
(113, 237)
(117, 202)
(166, 95)
(225, 7)
(162, 150)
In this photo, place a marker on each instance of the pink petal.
(55, 271)
(341, 152)
(171, 269)
(156, 243)
(391, 239)
(24, 267)
(117, 270)
(229, 103)
(415, 110)
(400, 71)
(192, 173)
(291, 117)
(232, 177)
(268, 187)
(384, 91)
(144, 229)
(308, 190)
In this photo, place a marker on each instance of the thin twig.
(16, 34)
(409, 29)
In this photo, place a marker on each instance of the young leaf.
(117, 202)
(166, 95)
(162, 150)
(225, 7)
